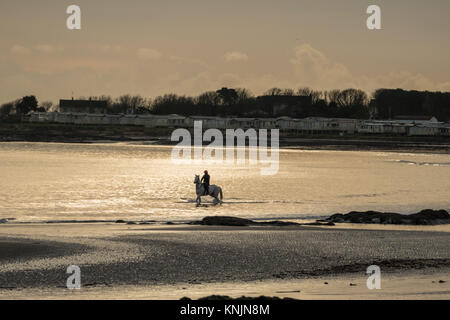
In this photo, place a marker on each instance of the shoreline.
(305, 144)
(56, 133)
(140, 257)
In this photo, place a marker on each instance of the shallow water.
(53, 181)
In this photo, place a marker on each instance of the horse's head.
(197, 178)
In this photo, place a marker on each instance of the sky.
(153, 47)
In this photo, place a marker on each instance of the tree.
(280, 92)
(349, 103)
(46, 106)
(243, 95)
(26, 104)
(398, 102)
(227, 96)
(207, 103)
(171, 103)
(5, 109)
(130, 104)
(274, 92)
(316, 96)
(288, 92)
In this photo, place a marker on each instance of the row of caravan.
(308, 125)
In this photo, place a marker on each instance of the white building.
(415, 127)
(241, 123)
(423, 130)
(371, 127)
(143, 120)
(208, 122)
(94, 118)
(165, 121)
(284, 123)
(64, 118)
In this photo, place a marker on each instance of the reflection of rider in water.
(205, 180)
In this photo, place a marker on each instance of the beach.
(121, 212)
(159, 261)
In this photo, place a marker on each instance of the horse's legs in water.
(216, 199)
(199, 200)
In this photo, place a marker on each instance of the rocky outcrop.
(234, 221)
(224, 221)
(424, 217)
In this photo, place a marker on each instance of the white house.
(64, 118)
(423, 130)
(143, 120)
(79, 118)
(36, 117)
(42, 116)
(371, 127)
(285, 123)
(111, 119)
(128, 120)
(444, 130)
(167, 121)
(207, 122)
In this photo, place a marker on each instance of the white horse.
(214, 191)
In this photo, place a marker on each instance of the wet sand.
(406, 285)
(150, 261)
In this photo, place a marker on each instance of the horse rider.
(205, 180)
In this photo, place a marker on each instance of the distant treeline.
(301, 103)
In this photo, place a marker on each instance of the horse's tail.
(221, 194)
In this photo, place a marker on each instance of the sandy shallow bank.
(141, 257)
(408, 285)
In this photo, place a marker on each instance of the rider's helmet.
(206, 171)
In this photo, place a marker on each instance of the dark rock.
(424, 217)
(240, 222)
(120, 221)
(131, 222)
(170, 223)
(318, 223)
(338, 217)
(226, 221)
(185, 299)
(432, 214)
(442, 281)
(277, 223)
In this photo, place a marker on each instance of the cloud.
(314, 69)
(98, 69)
(149, 54)
(235, 56)
(18, 49)
(444, 86)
